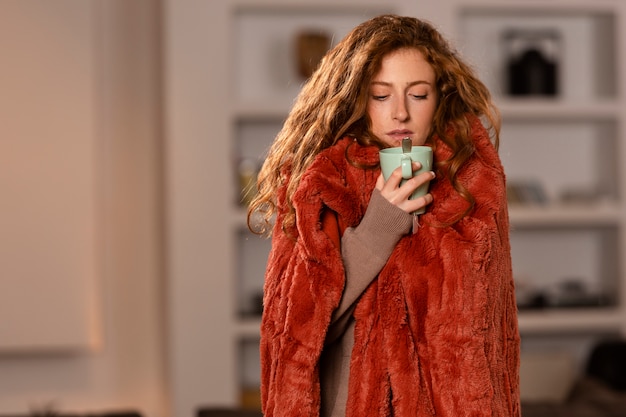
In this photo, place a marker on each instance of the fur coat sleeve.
(436, 332)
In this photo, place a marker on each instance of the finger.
(419, 180)
(424, 200)
(418, 203)
(394, 179)
(391, 190)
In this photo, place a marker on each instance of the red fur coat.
(436, 332)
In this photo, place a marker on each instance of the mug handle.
(407, 166)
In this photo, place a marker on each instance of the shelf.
(558, 110)
(538, 7)
(510, 109)
(562, 215)
(527, 216)
(592, 215)
(555, 320)
(571, 320)
(248, 328)
(261, 112)
(540, 321)
(535, 107)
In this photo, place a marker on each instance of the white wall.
(116, 45)
(47, 155)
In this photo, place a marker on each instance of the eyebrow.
(412, 83)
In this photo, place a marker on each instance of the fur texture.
(436, 332)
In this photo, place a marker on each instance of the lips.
(398, 135)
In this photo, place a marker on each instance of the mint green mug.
(392, 158)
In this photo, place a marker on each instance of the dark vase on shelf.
(311, 46)
(532, 67)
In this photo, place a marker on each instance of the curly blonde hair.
(333, 104)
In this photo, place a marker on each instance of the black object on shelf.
(607, 363)
(532, 67)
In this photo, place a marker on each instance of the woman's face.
(402, 98)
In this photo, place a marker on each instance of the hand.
(399, 195)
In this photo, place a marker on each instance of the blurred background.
(131, 131)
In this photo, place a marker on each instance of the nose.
(400, 112)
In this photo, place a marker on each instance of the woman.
(369, 310)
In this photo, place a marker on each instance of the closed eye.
(420, 97)
(379, 98)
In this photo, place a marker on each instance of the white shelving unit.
(574, 140)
